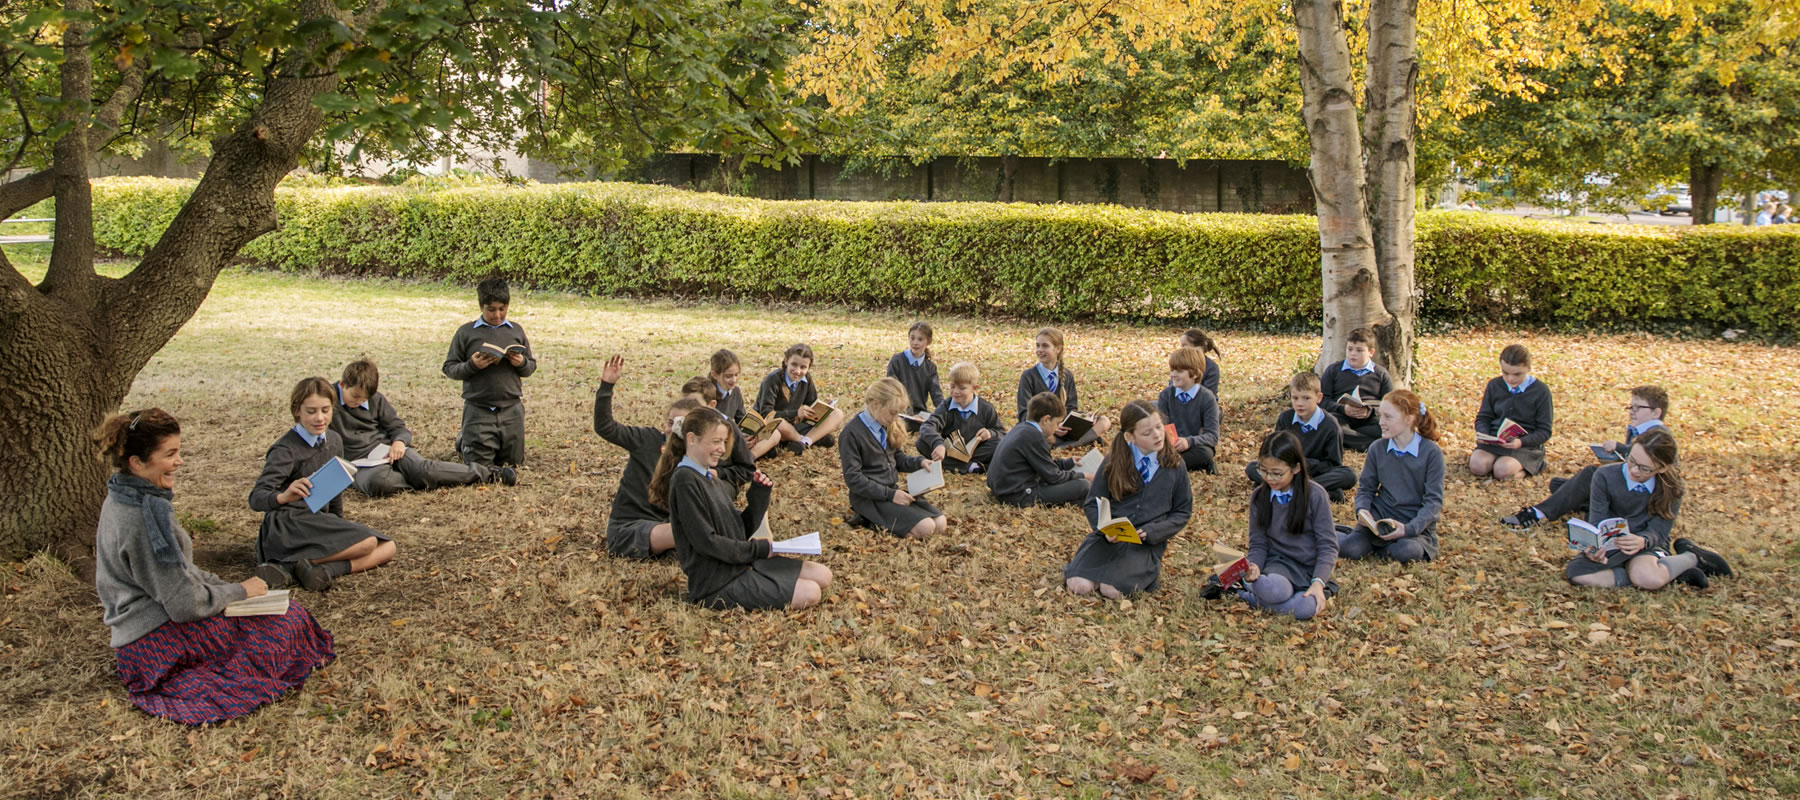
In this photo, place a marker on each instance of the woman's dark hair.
(1122, 478)
(1285, 447)
(136, 433)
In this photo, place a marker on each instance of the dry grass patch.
(504, 654)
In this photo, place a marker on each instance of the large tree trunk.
(1704, 181)
(76, 342)
(1351, 288)
(1390, 124)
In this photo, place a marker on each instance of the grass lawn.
(504, 654)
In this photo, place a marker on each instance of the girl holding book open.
(869, 451)
(1293, 543)
(179, 655)
(1645, 491)
(296, 544)
(1143, 481)
(725, 567)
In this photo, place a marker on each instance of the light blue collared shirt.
(968, 410)
(722, 393)
(690, 463)
(1366, 368)
(482, 323)
(909, 357)
(1312, 423)
(1411, 448)
(340, 390)
(1040, 428)
(1282, 497)
(1638, 430)
(1137, 460)
(1184, 395)
(1631, 485)
(311, 440)
(1523, 385)
(792, 385)
(1049, 376)
(874, 427)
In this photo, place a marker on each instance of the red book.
(1235, 572)
(1169, 430)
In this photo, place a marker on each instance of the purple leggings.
(1276, 593)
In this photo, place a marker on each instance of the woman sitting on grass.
(179, 656)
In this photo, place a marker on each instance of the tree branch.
(71, 272)
(131, 84)
(18, 195)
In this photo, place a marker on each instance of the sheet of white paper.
(803, 545)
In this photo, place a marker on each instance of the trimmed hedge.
(1028, 260)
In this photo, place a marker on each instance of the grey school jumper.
(1323, 447)
(945, 420)
(1358, 433)
(1196, 420)
(1031, 383)
(292, 532)
(921, 382)
(633, 515)
(364, 428)
(872, 475)
(1611, 496)
(1159, 511)
(1572, 496)
(1023, 473)
(725, 568)
(138, 595)
(1531, 408)
(1300, 557)
(1404, 488)
(493, 422)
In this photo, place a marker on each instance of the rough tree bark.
(1390, 123)
(75, 342)
(1704, 182)
(1351, 286)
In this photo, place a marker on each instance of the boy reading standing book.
(1192, 409)
(180, 654)
(367, 421)
(1645, 411)
(1023, 473)
(967, 419)
(869, 451)
(297, 544)
(1508, 451)
(490, 356)
(725, 568)
(1357, 374)
(1141, 481)
(1320, 438)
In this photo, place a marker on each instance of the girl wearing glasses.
(1646, 492)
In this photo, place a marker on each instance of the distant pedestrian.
(1765, 216)
(1784, 214)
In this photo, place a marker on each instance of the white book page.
(802, 545)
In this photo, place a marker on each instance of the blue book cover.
(330, 481)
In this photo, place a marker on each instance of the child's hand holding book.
(300, 489)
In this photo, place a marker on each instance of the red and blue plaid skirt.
(222, 667)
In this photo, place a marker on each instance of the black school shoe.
(1711, 563)
(507, 476)
(1337, 495)
(1523, 519)
(275, 575)
(1693, 577)
(1213, 589)
(1557, 483)
(312, 577)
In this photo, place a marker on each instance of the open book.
(1119, 528)
(821, 408)
(959, 448)
(1583, 536)
(375, 458)
(1507, 429)
(806, 544)
(924, 480)
(1354, 398)
(1089, 465)
(916, 419)
(1169, 433)
(1078, 424)
(1232, 565)
(275, 603)
(1605, 455)
(1380, 527)
(501, 352)
(753, 423)
(328, 482)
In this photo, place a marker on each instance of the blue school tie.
(1305, 428)
(1050, 382)
(1516, 389)
(1143, 465)
(1184, 396)
(881, 436)
(1282, 498)
(966, 412)
(1640, 489)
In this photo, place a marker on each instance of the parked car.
(1671, 200)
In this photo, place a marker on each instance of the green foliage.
(984, 258)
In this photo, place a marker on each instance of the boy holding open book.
(304, 538)
(965, 431)
(1023, 472)
(379, 444)
(1353, 388)
(1514, 420)
(490, 356)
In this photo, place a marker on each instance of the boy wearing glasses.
(1570, 495)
